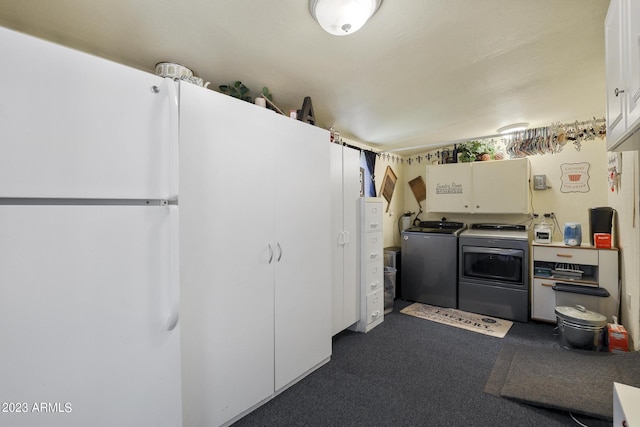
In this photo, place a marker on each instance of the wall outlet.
(540, 182)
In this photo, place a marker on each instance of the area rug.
(460, 319)
(577, 381)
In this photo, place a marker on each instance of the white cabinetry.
(479, 187)
(255, 254)
(626, 412)
(622, 53)
(600, 270)
(371, 265)
(345, 193)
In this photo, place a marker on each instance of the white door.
(85, 298)
(227, 255)
(338, 237)
(303, 238)
(77, 126)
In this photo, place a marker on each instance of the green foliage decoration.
(471, 151)
(238, 90)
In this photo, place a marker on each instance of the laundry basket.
(389, 288)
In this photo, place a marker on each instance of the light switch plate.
(539, 182)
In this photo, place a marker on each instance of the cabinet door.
(345, 192)
(608, 277)
(337, 240)
(633, 65)
(449, 188)
(613, 33)
(303, 249)
(351, 187)
(227, 263)
(543, 300)
(500, 186)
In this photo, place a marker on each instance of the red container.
(602, 240)
(618, 338)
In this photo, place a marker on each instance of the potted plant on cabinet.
(472, 151)
(238, 90)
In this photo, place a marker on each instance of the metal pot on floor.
(580, 328)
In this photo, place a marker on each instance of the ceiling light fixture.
(513, 128)
(342, 17)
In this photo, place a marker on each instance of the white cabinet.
(622, 53)
(255, 254)
(371, 275)
(626, 412)
(345, 193)
(479, 187)
(599, 269)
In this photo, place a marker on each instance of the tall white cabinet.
(345, 193)
(255, 252)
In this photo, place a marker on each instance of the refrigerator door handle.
(270, 254)
(174, 137)
(174, 269)
(279, 252)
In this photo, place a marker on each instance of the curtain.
(368, 162)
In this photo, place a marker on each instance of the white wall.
(626, 203)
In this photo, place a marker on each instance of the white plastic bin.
(389, 288)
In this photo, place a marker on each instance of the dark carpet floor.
(412, 372)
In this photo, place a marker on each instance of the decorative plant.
(471, 151)
(238, 90)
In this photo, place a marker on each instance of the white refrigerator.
(89, 280)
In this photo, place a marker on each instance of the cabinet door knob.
(618, 91)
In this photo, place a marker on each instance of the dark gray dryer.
(429, 263)
(493, 276)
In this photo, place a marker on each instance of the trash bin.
(392, 259)
(580, 328)
(389, 288)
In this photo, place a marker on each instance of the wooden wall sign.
(419, 189)
(388, 185)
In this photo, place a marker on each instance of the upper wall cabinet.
(479, 187)
(622, 43)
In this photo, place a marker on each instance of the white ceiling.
(420, 73)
